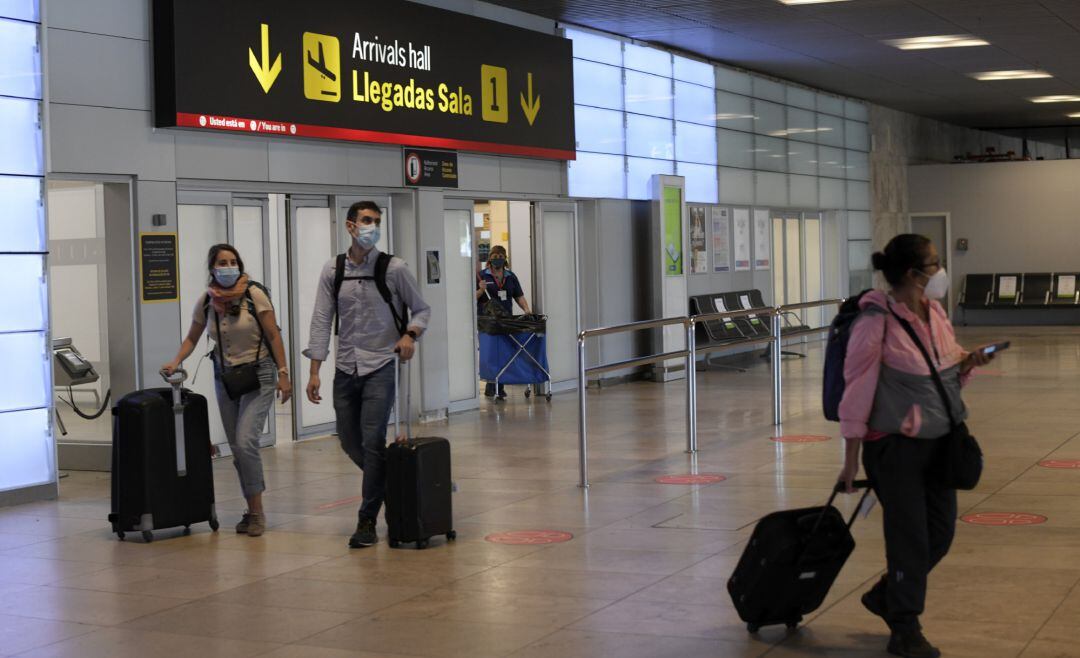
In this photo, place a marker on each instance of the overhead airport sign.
(388, 72)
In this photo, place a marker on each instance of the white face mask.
(938, 285)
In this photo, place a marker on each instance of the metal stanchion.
(777, 359)
(583, 444)
(691, 387)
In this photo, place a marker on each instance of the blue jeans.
(244, 420)
(362, 404)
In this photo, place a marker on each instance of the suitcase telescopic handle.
(178, 376)
(397, 401)
(840, 488)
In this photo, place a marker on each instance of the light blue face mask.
(226, 277)
(367, 236)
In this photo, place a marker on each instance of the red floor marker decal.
(801, 438)
(690, 478)
(1060, 463)
(529, 537)
(340, 503)
(1003, 518)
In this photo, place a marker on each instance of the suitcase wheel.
(394, 543)
(753, 628)
(421, 544)
(147, 536)
(120, 535)
(792, 625)
(187, 530)
(451, 536)
(214, 525)
(528, 393)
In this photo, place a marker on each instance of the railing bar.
(642, 361)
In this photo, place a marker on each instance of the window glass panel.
(830, 104)
(695, 104)
(800, 97)
(639, 176)
(694, 143)
(24, 354)
(793, 264)
(22, 222)
(859, 225)
(770, 189)
(702, 185)
(832, 193)
(596, 47)
(596, 175)
(648, 60)
(598, 85)
(736, 185)
(779, 298)
(801, 125)
(649, 94)
(733, 81)
(21, 146)
(734, 112)
(769, 119)
(22, 304)
(804, 191)
(26, 449)
(692, 70)
(23, 10)
(649, 137)
(858, 195)
(857, 135)
(802, 159)
(770, 154)
(830, 130)
(812, 259)
(858, 165)
(20, 60)
(769, 89)
(736, 149)
(831, 162)
(856, 110)
(599, 131)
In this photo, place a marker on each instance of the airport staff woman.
(245, 333)
(498, 283)
(892, 410)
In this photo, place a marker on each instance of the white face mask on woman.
(938, 285)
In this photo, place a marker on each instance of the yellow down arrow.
(532, 105)
(264, 72)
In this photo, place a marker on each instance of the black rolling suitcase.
(161, 471)
(418, 486)
(791, 563)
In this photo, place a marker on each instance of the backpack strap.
(339, 278)
(401, 319)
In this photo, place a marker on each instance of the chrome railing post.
(777, 359)
(583, 443)
(691, 387)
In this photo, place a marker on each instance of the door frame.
(467, 404)
(947, 248)
(539, 287)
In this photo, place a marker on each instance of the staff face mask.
(226, 277)
(498, 263)
(938, 285)
(367, 236)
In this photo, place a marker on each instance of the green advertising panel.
(673, 233)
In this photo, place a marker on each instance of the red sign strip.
(265, 126)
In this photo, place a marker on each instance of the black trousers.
(919, 520)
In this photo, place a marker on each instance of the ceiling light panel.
(989, 76)
(1055, 99)
(809, 2)
(939, 41)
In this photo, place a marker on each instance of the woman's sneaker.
(912, 644)
(256, 524)
(245, 522)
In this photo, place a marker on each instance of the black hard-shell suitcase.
(418, 487)
(791, 562)
(159, 481)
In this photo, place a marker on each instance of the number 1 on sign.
(494, 94)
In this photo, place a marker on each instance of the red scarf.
(222, 298)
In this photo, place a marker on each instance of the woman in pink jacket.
(892, 411)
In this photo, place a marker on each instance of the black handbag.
(239, 380)
(959, 461)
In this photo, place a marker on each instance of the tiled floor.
(643, 576)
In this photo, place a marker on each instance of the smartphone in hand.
(995, 348)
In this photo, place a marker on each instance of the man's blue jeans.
(362, 404)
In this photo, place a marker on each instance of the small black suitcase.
(161, 469)
(418, 486)
(791, 562)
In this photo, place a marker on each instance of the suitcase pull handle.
(840, 488)
(176, 380)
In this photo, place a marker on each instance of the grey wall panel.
(307, 162)
(434, 349)
(531, 176)
(478, 172)
(122, 18)
(376, 166)
(121, 288)
(109, 141)
(225, 157)
(159, 323)
(91, 69)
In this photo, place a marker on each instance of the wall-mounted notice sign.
(430, 168)
(762, 244)
(742, 239)
(673, 233)
(391, 73)
(157, 262)
(721, 239)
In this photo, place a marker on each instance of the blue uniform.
(505, 294)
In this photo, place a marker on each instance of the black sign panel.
(387, 72)
(157, 259)
(430, 168)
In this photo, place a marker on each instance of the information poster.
(742, 239)
(673, 256)
(699, 256)
(762, 244)
(721, 239)
(1066, 286)
(1007, 287)
(157, 262)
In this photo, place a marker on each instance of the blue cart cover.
(497, 350)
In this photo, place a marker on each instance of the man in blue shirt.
(498, 283)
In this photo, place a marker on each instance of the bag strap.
(934, 374)
(381, 267)
(221, 352)
(339, 278)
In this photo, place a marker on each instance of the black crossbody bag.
(242, 379)
(960, 460)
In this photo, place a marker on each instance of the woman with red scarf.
(245, 332)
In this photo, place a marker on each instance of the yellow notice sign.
(322, 67)
(494, 95)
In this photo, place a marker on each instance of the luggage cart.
(513, 350)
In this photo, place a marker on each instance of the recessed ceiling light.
(1055, 99)
(808, 2)
(1073, 115)
(939, 41)
(988, 76)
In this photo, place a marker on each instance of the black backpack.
(832, 390)
(401, 318)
